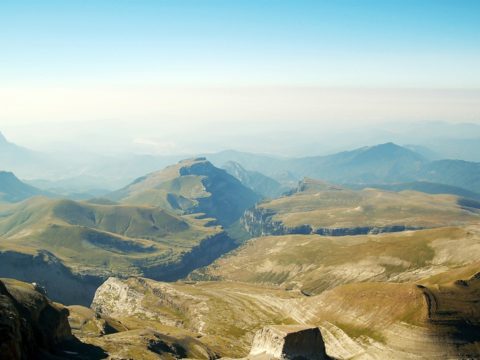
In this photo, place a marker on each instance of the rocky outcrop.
(455, 305)
(30, 324)
(260, 222)
(289, 342)
(119, 298)
(145, 305)
(363, 230)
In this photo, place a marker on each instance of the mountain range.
(380, 164)
(363, 254)
(162, 226)
(267, 175)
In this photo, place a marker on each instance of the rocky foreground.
(432, 320)
(139, 318)
(30, 324)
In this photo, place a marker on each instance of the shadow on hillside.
(75, 349)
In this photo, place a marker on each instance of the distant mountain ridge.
(386, 163)
(14, 157)
(383, 163)
(261, 184)
(423, 186)
(13, 190)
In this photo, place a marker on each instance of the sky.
(169, 76)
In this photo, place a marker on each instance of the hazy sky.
(160, 74)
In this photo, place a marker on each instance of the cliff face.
(118, 298)
(289, 342)
(30, 324)
(44, 268)
(203, 254)
(260, 222)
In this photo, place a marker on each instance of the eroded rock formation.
(289, 342)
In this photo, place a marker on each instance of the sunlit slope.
(314, 263)
(391, 320)
(101, 239)
(222, 316)
(372, 320)
(318, 207)
(191, 186)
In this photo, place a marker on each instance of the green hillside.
(325, 209)
(315, 263)
(191, 186)
(105, 240)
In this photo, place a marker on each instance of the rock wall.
(201, 255)
(30, 324)
(145, 299)
(289, 342)
(259, 222)
(44, 268)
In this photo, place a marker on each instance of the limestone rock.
(289, 342)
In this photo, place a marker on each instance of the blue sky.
(393, 43)
(167, 67)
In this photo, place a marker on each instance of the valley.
(92, 240)
(240, 180)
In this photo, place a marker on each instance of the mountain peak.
(3, 139)
(196, 166)
(7, 175)
(391, 149)
(387, 145)
(13, 189)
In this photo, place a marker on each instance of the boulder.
(289, 342)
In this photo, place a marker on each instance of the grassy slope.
(100, 238)
(315, 263)
(324, 206)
